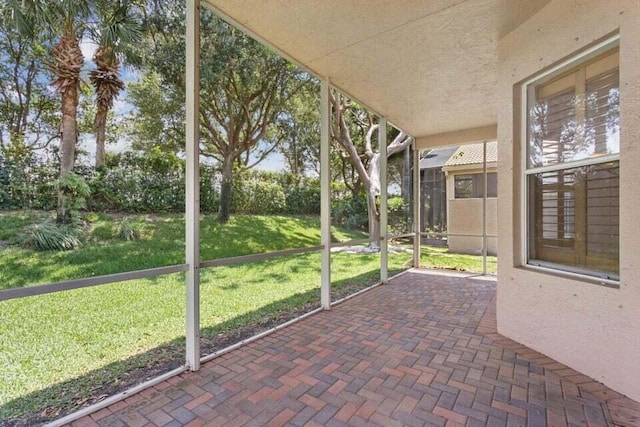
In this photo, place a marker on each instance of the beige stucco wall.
(464, 216)
(589, 327)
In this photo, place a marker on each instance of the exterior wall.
(589, 327)
(464, 216)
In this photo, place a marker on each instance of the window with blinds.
(470, 186)
(572, 169)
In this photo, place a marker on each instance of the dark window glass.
(469, 186)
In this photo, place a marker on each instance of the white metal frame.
(485, 189)
(325, 195)
(68, 285)
(193, 263)
(384, 199)
(416, 205)
(192, 217)
(525, 171)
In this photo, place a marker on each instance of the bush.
(129, 230)
(399, 215)
(303, 199)
(258, 198)
(351, 213)
(132, 182)
(75, 189)
(4, 181)
(48, 236)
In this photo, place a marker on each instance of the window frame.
(527, 91)
(477, 185)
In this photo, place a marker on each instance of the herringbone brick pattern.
(420, 351)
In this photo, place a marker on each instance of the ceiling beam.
(458, 137)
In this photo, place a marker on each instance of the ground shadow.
(63, 398)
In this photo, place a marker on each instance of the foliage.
(245, 90)
(28, 110)
(253, 197)
(26, 181)
(351, 212)
(75, 189)
(129, 230)
(303, 199)
(135, 183)
(157, 121)
(48, 236)
(352, 128)
(399, 215)
(4, 181)
(300, 126)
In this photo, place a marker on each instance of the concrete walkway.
(420, 351)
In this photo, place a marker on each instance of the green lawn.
(57, 349)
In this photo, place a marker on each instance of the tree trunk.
(226, 190)
(67, 146)
(373, 192)
(374, 221)
(100, 125)
(407, 177)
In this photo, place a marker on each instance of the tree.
(348, 118)
(65, 21)
(27, 107)
(119, 29)
(244, 90)
(300, 146)
(157, 121)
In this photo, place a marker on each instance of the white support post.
(325, 196)
(484, 207)
(192, 225)
(384, 232)
(416, 206)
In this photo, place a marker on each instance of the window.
(572, 168)
(470, 186)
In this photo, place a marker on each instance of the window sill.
(582, 278)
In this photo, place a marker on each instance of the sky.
(274, 162)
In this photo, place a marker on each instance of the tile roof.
(472, 154)
(437, 157)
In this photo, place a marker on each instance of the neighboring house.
(452, 196)
(433, 192)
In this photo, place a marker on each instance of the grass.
(103, 253)
(57, 350)
(440, 257)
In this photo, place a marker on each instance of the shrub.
(133, 182)
(129, 230)
(399, 215)
(351, 213)
(75, 189)
(258, 198)
(48, 236)
(303, 200)
(4, 181)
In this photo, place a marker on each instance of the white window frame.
(526, 91)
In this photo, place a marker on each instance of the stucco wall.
(464, 216)
(589, 327)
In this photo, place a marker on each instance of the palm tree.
(66, 21)
(117, 33)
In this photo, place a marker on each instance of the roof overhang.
(428, 66)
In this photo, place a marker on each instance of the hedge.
(154, 183)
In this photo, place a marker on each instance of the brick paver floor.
(420, 351)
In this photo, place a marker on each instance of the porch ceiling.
(429, 66)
